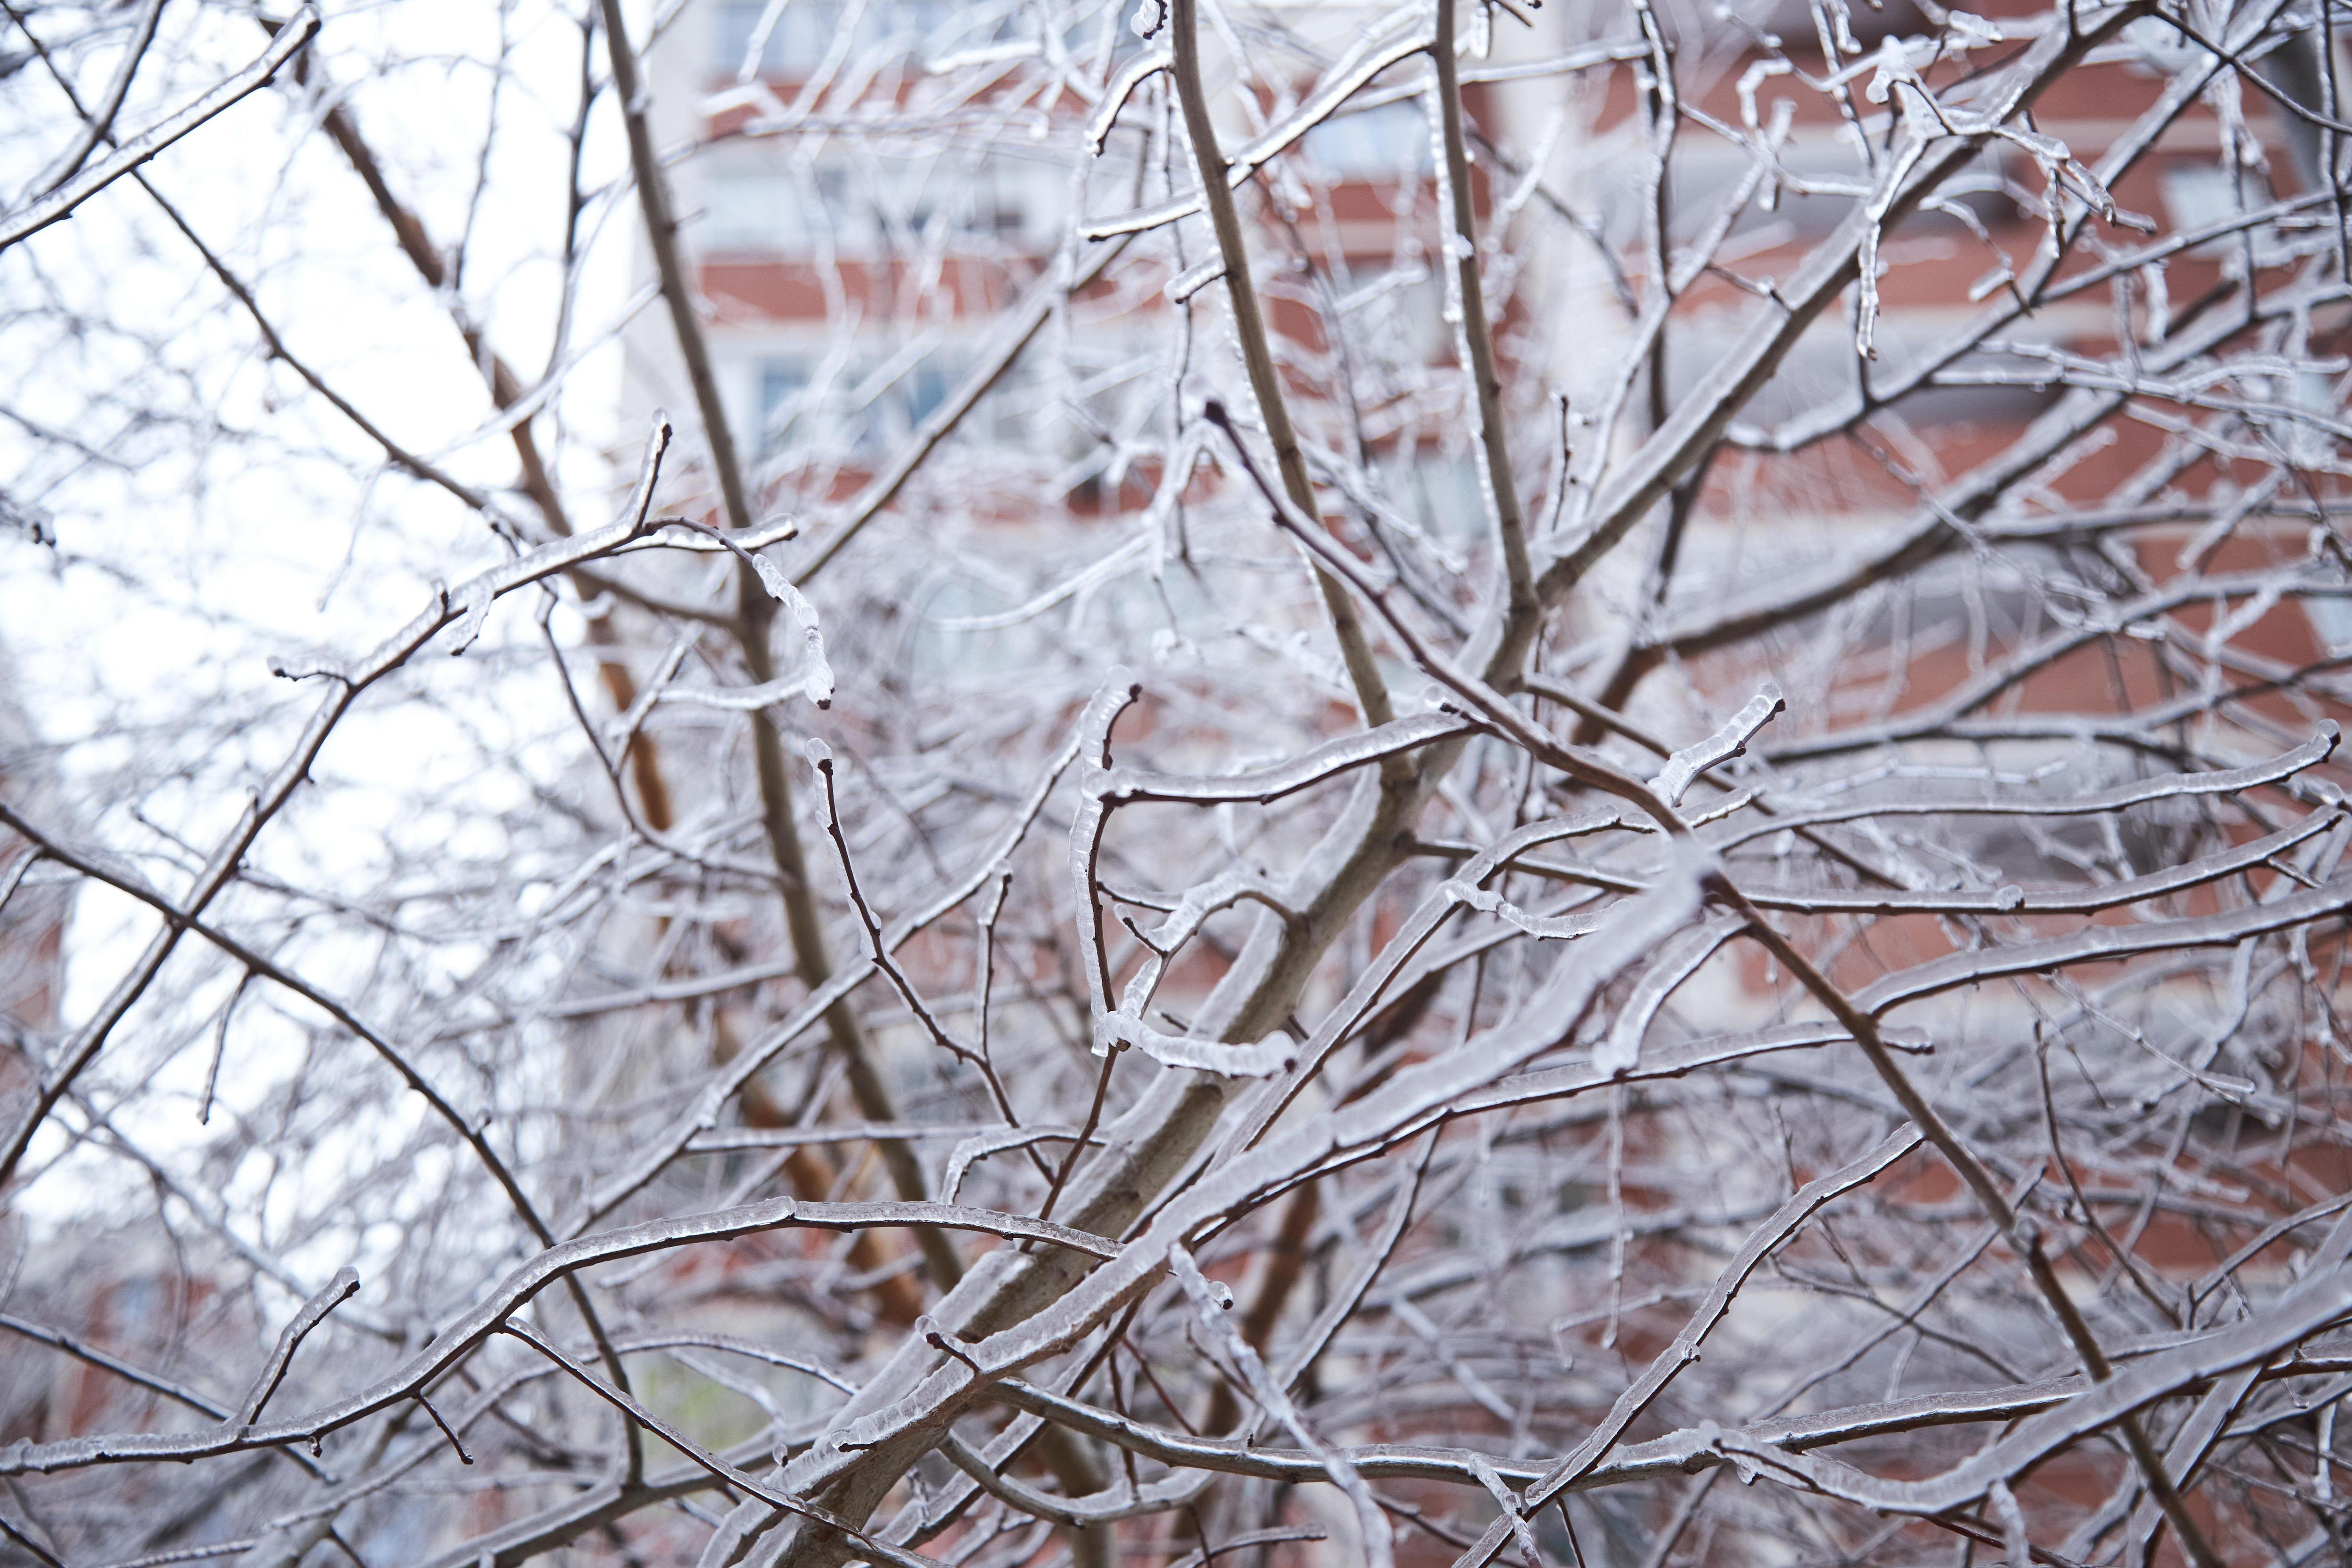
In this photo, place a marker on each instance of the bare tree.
(1351, 783)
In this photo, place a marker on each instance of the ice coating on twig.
(816, 680)
(1676, 962)
(1262, 1058)
(980, 1145)
(1329, 760)
(1548, 928)
(333, 1294)
(1214, 1302)
(1731, 740)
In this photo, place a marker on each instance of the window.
(1389, 142)
(2331, 619)
(782, 384)
(805, 31)
(751, 211)
(1446, 497)
(870, 207)
(2196, 194)
(794, 46)
(854, 412)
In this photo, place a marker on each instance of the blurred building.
(875, 184)
(872, 198)
(1843, 447)
(878, 186)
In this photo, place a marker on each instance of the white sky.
(252, 520)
